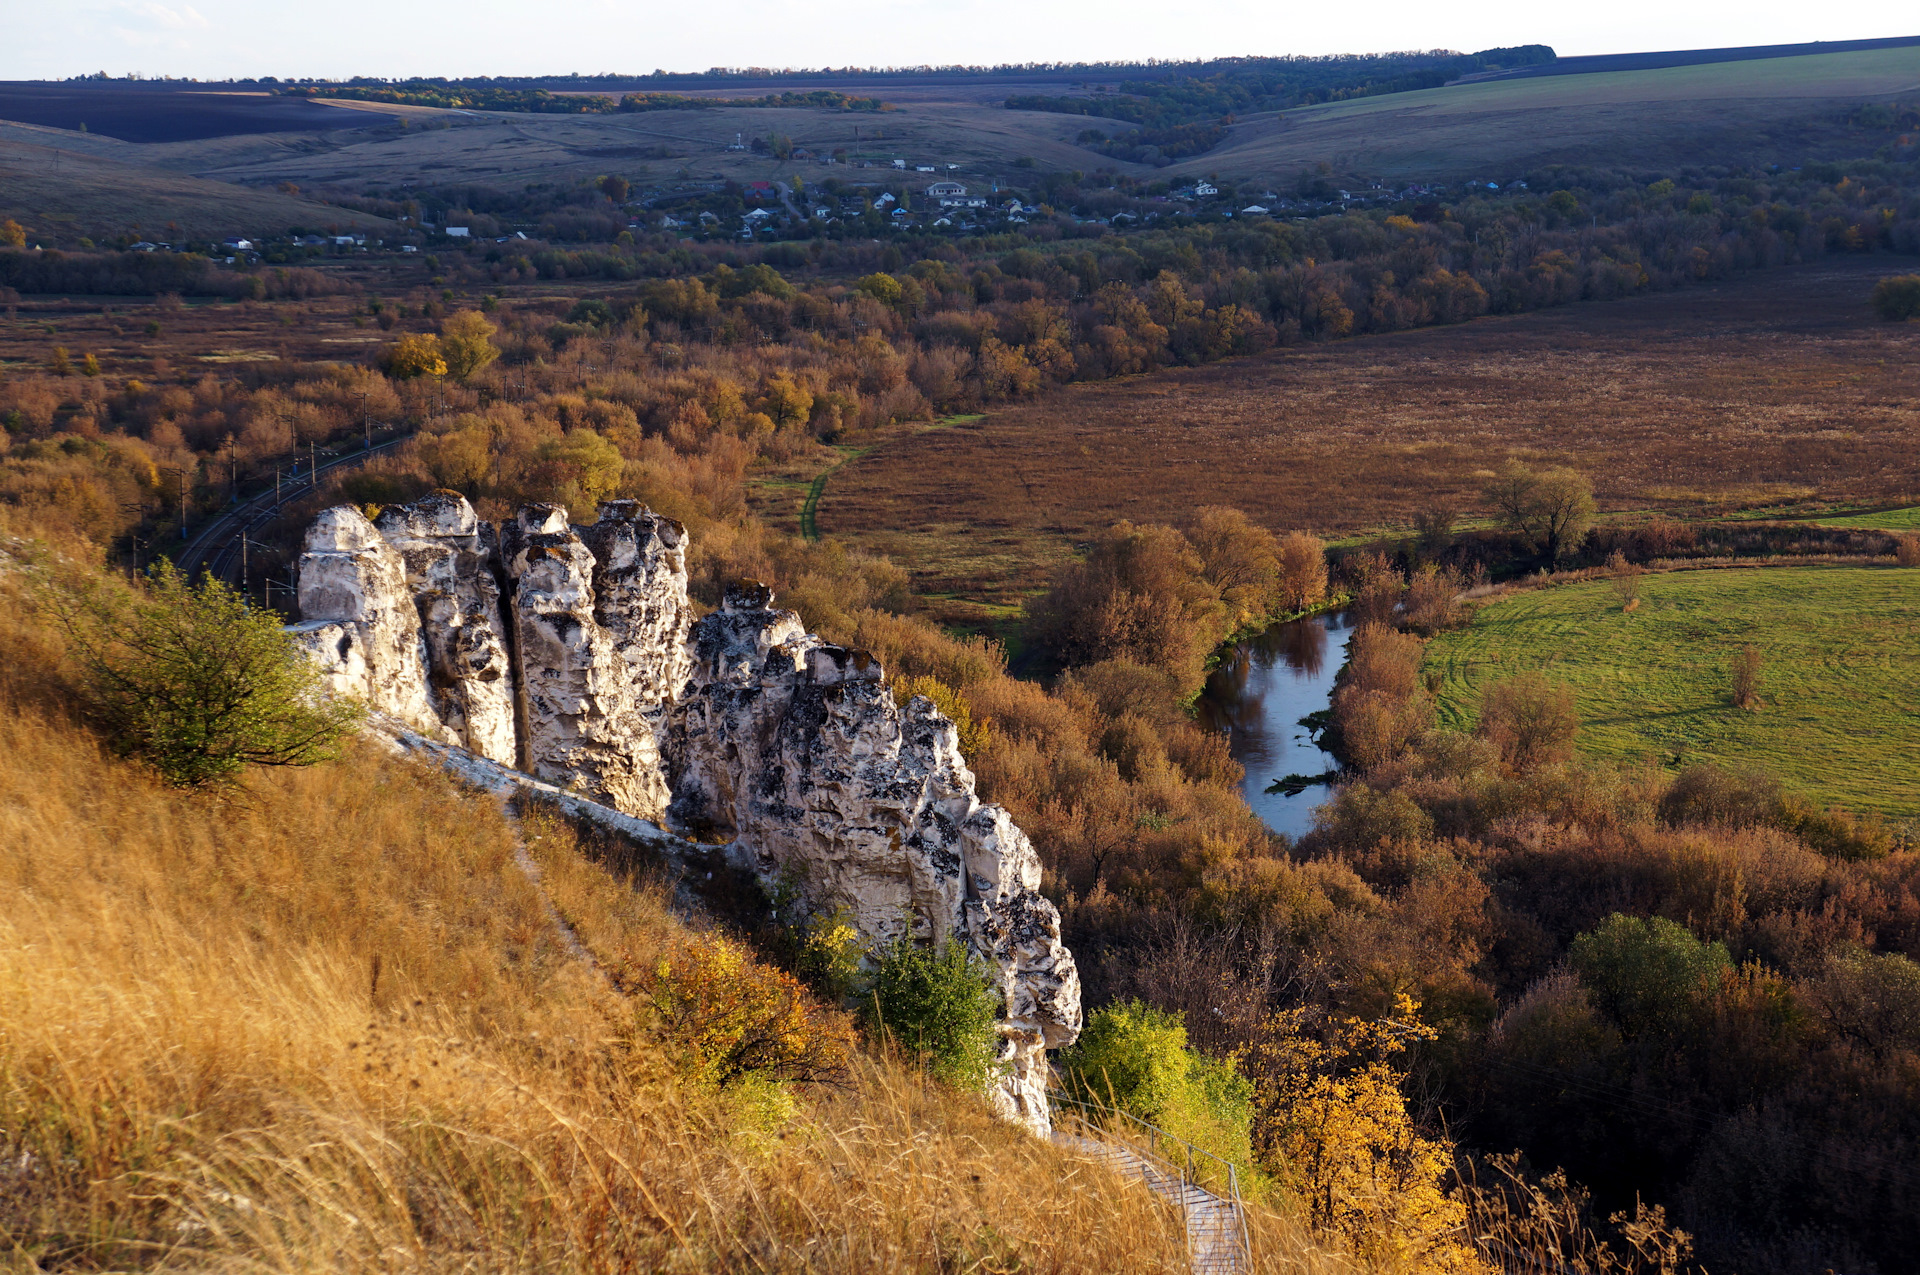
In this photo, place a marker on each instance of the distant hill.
(1685, 57)
(1781, 110)
(63, 193)
(145, 111)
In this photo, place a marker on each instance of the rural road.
(215, 548)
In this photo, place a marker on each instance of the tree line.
(1243, 85)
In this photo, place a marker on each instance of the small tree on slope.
(196, 681)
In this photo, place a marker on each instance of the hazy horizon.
(221, 39)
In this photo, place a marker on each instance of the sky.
(219, 39)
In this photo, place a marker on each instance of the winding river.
(1258, 695)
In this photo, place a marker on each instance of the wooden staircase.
(1217, 1239)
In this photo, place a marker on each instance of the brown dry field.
(1774, 390)
(59, 183)
(197, 332)
(209, 331)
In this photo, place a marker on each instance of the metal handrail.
(1183, 1173)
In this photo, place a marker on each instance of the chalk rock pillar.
(640, 599)
(449, 555)
(358, 620)
(795, 750)
(583, 730)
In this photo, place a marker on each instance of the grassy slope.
(508, 150)
(326, 1024)
(1841, 681)
(88, 189)
(1778, 108)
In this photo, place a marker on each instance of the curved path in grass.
(1840, 684)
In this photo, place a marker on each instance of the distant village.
(855, 196)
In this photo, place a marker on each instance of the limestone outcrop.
(571, 653)
(793, 749)
(582, 725)
(450, 556)
(640, 598)
(360, 621)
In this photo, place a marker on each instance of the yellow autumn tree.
(466, 343)
(1331, 1124)
(417, 354)
(974, 736)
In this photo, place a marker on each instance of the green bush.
(938, 1003)
(1651, 976)
(197, 682)
(1136, 1058)
(1897, 297)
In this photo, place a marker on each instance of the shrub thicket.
(1134, 1058)
(1897, 297)
(938, 1004)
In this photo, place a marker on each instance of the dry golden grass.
(1775, 387)
(325, 1023)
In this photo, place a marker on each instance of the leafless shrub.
(1431, 602)
(1531, 719)
(1626, 580)
(1744, 670)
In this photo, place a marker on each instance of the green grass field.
(1907, 519)
(1840, 721)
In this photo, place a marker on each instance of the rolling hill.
(1779, 110)
(63, 185)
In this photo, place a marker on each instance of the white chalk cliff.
(572, 653)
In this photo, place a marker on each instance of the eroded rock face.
(570, 652)
(640, 599)
(360, 621)
(583, 728)
(450, 557)
(794, 749)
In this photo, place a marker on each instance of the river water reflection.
(1259, 694)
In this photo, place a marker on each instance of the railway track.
(217, 548)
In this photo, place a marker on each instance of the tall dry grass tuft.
(1525, 1224)
(327, 1023)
